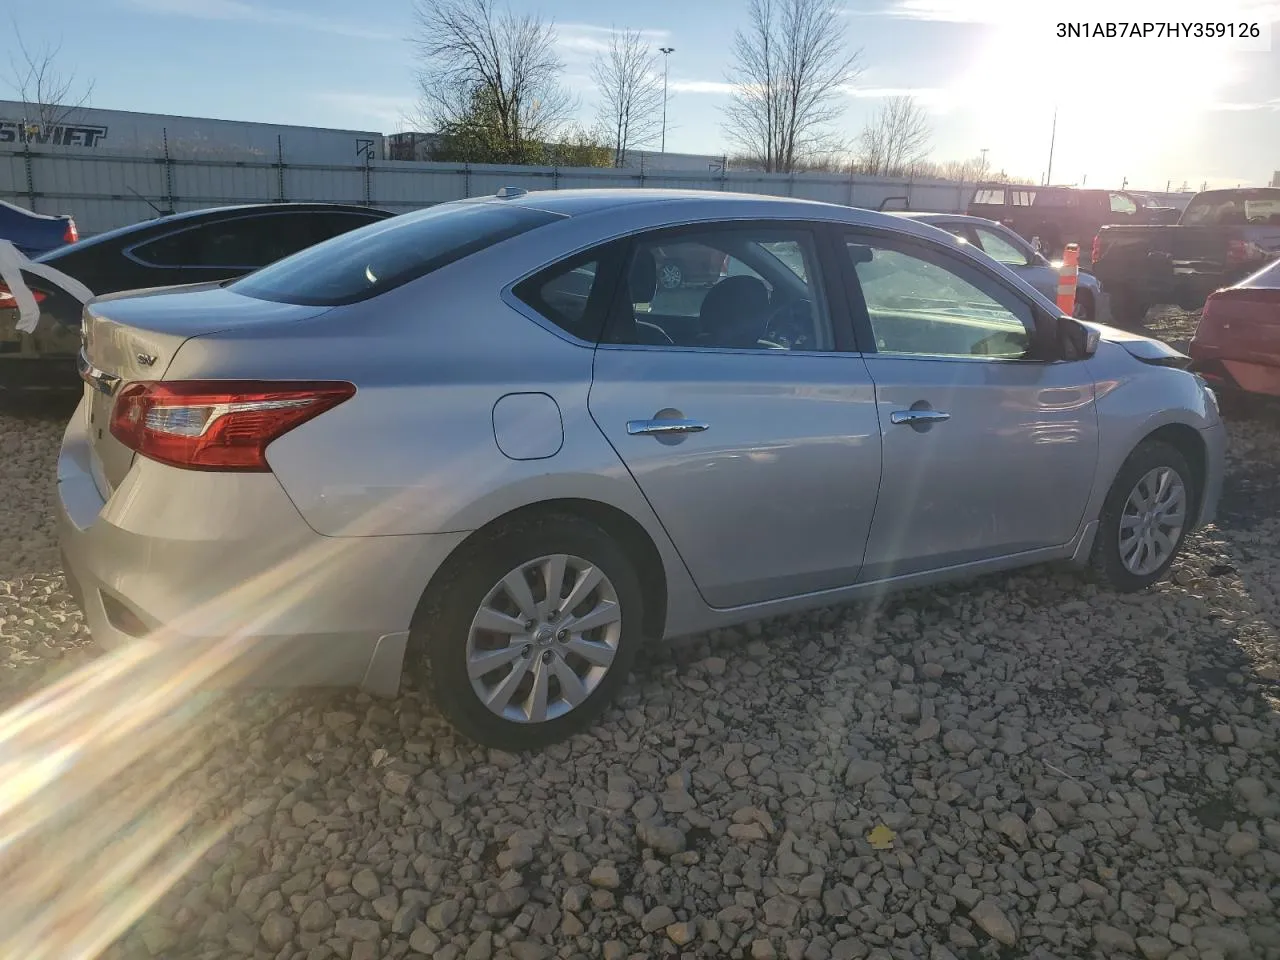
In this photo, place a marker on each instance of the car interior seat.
(734, 312)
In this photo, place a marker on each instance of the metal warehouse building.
(184, 137)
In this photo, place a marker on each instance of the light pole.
(1053, 136)
(982, 170)
(666, 53)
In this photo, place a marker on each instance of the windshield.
(380, 257)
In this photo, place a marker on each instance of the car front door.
(752, 431)
(987, 453)
(1006, 247)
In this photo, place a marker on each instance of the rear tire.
(1145, 517)
(670, 275)
(544, 685)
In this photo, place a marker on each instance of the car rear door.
(986, 453)
(761, 457)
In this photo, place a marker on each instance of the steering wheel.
(790, 326)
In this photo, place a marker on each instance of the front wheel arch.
(1188, 442)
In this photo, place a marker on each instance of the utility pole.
(1053, 136)
(666, 54)
(982, 173)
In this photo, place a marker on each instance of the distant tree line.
(491, 87)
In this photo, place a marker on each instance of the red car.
(1237, 344)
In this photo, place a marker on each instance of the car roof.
(698, 205)
(188, 217)
(928, 216)
(577, 202)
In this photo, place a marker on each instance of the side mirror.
(1077, 340)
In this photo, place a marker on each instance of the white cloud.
(1047, 16)
(585, 40)
(245, 12)
(878, 93)
(721, 87)
(386, 112)
(1273, 105)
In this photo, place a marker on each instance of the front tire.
(1084, 309)
(531, 633)
(1145, 518)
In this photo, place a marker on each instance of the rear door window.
(995, 197)
(384, 255)
(1123, 205)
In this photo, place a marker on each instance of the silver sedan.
(484, 442)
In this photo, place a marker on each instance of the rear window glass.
(1234, 208)
(380, 257)
(989, 197)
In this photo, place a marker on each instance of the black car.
(197, 247)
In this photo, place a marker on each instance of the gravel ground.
(1026, 766)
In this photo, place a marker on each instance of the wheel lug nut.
(555, 615)
(530, 624)
(546, 656)
(527, 651)
(562, 636)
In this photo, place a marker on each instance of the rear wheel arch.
(628, 533)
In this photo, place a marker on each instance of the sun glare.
(1122, 107)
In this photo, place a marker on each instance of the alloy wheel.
(1152, 521)
(543, 639)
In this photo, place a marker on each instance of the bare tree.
(472, 51)
(630, 91)
(791, 68)
(50, 96)
(971, 170)
(896, 138)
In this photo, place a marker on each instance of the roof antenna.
(159, 212)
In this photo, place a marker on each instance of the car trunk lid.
(135, 336)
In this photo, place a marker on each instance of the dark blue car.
(35, 233)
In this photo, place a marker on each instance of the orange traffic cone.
(1067, 277)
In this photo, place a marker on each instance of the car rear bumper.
(221, 570)
(1230, 373)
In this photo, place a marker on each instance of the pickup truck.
(1221, 237)
(1057, 216)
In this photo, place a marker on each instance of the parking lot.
(1025, 766)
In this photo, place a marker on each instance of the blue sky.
(989, 72)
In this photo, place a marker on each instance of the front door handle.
(918, 416)
(662, 427)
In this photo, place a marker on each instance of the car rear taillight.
(72, 234)
(217, 424)
(1096, 252)
(9, 302)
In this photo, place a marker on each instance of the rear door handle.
(918, 416)
(637, 428)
